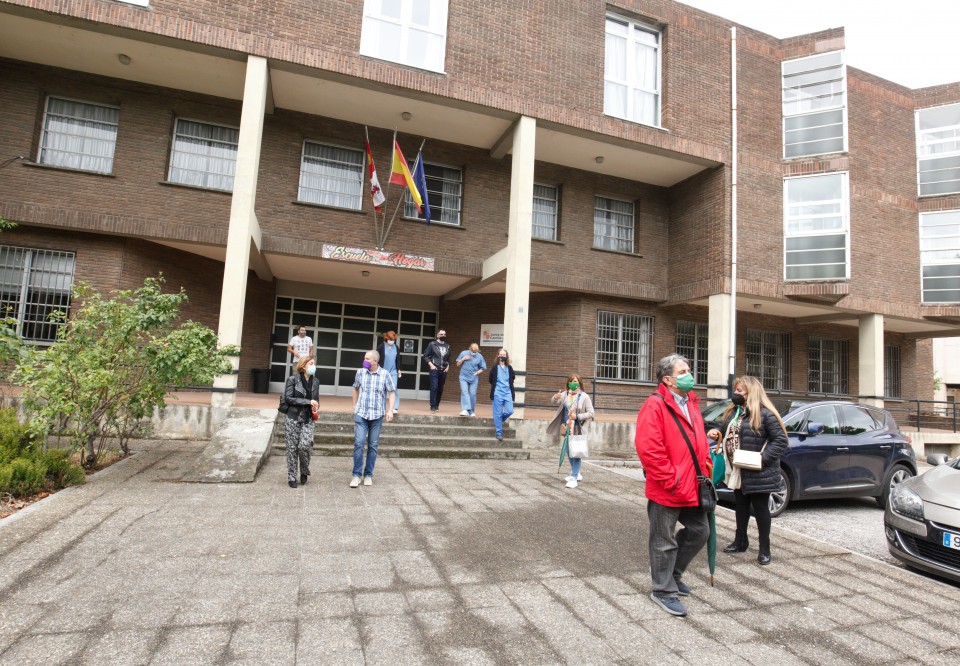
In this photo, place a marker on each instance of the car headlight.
(906, 502)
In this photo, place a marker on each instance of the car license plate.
(951, 540)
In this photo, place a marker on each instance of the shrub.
(62, 471)
(15, 440)
(27, 477)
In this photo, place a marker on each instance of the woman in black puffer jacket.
(760, 428)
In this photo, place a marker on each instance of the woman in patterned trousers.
(301, 393)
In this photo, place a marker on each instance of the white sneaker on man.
(368, 480)
(572, 483)
(464, 412)
(355, 482)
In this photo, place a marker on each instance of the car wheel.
(893, 478)
(780, 499)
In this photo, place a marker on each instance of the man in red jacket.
(671, 479)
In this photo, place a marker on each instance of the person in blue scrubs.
(501, 391)
(471, 364)
(390, 361)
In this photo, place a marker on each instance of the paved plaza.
(439, 562)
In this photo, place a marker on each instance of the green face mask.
(573, 386)
(685, 382)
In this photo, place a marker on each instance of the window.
(545, 206)
(828, 368)
(33, 285)
(816, 227)
(857, 420)
(444, 192)
(938, 150)
(408, 32)
(624, 344)
(796, 422)
(331, 176)
(940, 256)
(826, 415)
(768, 358)
(204, 155)
(80, 136)
(891, 371)
(631, 73)
(613, 225)
(693, 342)
(814, 105)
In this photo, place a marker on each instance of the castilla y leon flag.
(400, 174)
(375, 192)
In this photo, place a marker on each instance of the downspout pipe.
(733, 209)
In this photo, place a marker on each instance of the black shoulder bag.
(706, 493)
(284, 406)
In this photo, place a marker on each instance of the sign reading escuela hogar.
(491, 335)
(377, 257)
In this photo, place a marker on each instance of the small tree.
(112, 364)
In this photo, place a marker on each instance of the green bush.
(15, 440)
(25, 468)
(27, 477)
(62, 472)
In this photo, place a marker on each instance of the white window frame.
(138, 3)
(372, 19)
(644, 347)
(950, 243)
(617, 239)
(631, 80)
(360, 173)
(948, 155)
(45, 130)
(842, 108)
(555, 228)
(27, 299)
(173, 152)
(845, 231)
(410, 208)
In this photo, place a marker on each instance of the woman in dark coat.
(302, 395)
(759, 428)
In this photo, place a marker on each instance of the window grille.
(613, 224)
(33, 285)
(445, 192)
(938, 150)
(631, 73)
(891, 371)
(545, 205)
(204, 155)
(828, 370)
(814, 92)
(624, 346)
(77, 135)
(693, 342)
(768, 358)
(331, 176)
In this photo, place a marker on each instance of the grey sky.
(911, 42)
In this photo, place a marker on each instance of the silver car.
(922, 519)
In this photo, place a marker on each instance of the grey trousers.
(671, 551)
(298, 438)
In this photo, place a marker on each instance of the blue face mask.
(389, 343)
(311, 370)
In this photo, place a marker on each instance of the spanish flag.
(400, 174)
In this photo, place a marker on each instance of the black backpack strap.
(683, 432)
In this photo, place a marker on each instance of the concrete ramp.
(237, 449)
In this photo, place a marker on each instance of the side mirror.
(814, 428)
(936, 459)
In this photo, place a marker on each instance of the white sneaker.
(570, 478)
(572, 483)
(396, 411)
(368, 480)
(474, 415)
(354, 482)
(464, 413)
(579, 477)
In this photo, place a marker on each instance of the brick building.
(587, 181)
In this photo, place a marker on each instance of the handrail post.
(918, 414)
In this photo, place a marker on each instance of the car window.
(796, 421)
(879, 417)
(715, 411)
(827, 415)
(856, 420)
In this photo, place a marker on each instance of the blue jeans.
(575, 467)
(671, 551)
(468, 393)
(502, 409)
(362, 428)
(396, 395)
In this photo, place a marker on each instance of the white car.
(922, 519)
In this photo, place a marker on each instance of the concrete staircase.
(414, 436)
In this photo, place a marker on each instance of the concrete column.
(517, 298)
(718, 352)
(871, 358)
(243, 221)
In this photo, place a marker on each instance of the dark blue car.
(837, 449)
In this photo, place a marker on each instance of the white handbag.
(577, 446)
(748, 459)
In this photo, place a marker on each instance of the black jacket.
(438, 353)
(295, 395)
(382, 350)
(766, 479)
(494, 370)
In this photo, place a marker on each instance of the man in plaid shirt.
(373, 395)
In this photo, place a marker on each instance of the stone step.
(407, 419)
(346, 439)
(489, 453)
(429, 430)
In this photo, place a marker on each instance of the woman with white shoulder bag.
(754, 438)
(574, 411)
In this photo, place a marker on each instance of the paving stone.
(266, 643)
(45, 649)
(122, 646)
(193, 645)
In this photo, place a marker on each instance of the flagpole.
(397, 209)
(381, 237)
(376, 223)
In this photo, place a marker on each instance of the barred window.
(77, 135)
(624, 346)
(613, 225)
(331, 176)
(828, 370)
(768, 358)
(204, 155)
(444, 192)
(545, 205)
(693, 341)
(891, 371)
(33, 285)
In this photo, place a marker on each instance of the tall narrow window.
(693, 341)
(331, 176)
(768, 358)
(545, 205)
(445, 192)
(204, 155)
(828, 370)
(938, 150)
(816, 227)
(814, 105)
(77, 135)
(891, 371)
(631, 73)
(624, 345)
(408, 32)
(940, 256)
(613, 224)
(34, 284)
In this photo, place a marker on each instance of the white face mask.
(389, 343)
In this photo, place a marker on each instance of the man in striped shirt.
(373, 396)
